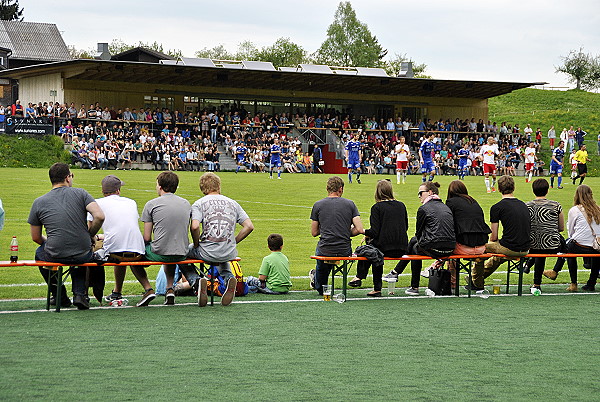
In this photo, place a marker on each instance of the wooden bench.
(58, 272)
(516, 265)
(463, 262)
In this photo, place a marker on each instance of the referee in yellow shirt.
(581, 157)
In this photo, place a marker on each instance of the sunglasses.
(421, 192)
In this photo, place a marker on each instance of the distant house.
(141, 54)
(29, 43)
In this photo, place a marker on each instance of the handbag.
(596, 242)
(440, 281)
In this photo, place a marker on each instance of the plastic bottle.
(14, 249)
(119, 303)
(429, 292)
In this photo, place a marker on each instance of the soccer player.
(488, 154)
(402, 154)
(275, 158)
(353, 156)
(581, 157)
(556, 164)
(463, 155)
(426, 151)
(240, 155)
(529, 161)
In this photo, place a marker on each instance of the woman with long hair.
(583, 225)
(389, 223)
(469, 224)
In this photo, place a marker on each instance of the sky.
(510, 40)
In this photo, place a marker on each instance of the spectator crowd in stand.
(104, 137)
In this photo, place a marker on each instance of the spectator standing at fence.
(389, 223)
(488, 153)
(547, 221)
(353, 156)
(426, 151)
(580, 136)
(214, 219)
(335, 219)
(166, 221)
(434, 234)
(402, 157)
(317, 156)
(122, 239)
(551, 136)
(557, 164)
(571, 136)
(69, 238)
(582, 159)
(513, 214)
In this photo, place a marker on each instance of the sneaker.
(572, 287)
(425, 273)
(169, 297)
(535, 290)
(391, 277)
(489, 191)
(550, 274)
(589, 288)
(202, 293)
(493, 189)
(472, 287)
(412, 291)
(311, 275)
(113, 296)
(560, 187)
(358, 181)
(229, 292)
(81, 302)
(279, 178)
(65, 303)
(147, 297)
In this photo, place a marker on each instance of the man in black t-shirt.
(335, 220)
(515, 241)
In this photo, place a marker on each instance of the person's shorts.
(276, 163)
(240, 160)
(151, 256)
(427, 167)
(556, 169)
(489, 168)
(528, 167)
(462, 165)
(353, 164)
(402, 165)
(581, 168)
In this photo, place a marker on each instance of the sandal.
(355, 283)
(374, 293)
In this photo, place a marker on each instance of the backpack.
(219, 284)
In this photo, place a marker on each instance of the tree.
(349, 42)
(10, 10)
(218, 52)
(283, 53)
(392, 66)
(582, 69)
(246, 51)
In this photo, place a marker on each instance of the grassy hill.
(543, 109)
(26, 151)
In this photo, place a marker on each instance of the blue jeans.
(254, 287)
(77, 273)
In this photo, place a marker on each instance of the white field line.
(319, 300)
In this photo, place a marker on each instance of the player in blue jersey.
(275, 158)
(240, 155)
(426, 157)
(353, 156)
(463, 157)
(556, 164)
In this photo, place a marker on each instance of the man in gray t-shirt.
(335, 220)
(217, 216)
(168, 217)
(63, 213)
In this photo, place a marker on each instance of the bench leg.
(521, 267)
(59, 284)
(48, 292)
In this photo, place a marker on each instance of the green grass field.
(292, 347)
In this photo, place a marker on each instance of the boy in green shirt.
(274, 273)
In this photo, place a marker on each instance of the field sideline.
(281, 206)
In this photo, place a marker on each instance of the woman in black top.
(389, 223)
(469, 223)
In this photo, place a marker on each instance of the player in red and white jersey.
(488, 154)
(529, 161)
(402, 156)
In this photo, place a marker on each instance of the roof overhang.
(219, 77)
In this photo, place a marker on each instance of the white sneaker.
(412, 291)
(425, 273)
